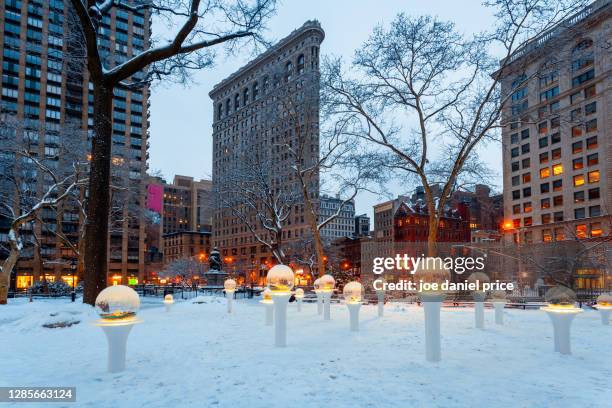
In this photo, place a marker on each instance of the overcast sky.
(181, 118)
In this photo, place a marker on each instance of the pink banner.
(155, 193)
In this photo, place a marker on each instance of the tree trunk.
(432, 235)
(5, 274)
(98, 203)
(314, 228)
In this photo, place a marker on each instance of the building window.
(549, 94)
(527, 207)
(546, 235)
(596, 230)
(543, 142)
(300, 64)
(543, 157)
(545, 172)
(514, 138)
(544, 188)
(526, 163)
(515, 166)
(589, 92)
(593, 159)
(557, 185)
(527, 221)
(557, 201)
(590, 108)
(516, 209)
(579, 213)
(514, 152)
(557, 169)
(591, 142)
(593, 176)
(545, 203)
(527, 192)
(591, 125)
(555, 138)
(593, 194)
(546, 219)
(556, 154)
(516, 194)
(558, 216)
(525, 148)
(543, 127)
(578, 197)
(576, 131)
(594, 211)
(526, 177)
(559, 234)
(524, 134)
(516, 180)
(577, 164)
(581, 231)
(578, 180)
(582, 78)
(577, 147)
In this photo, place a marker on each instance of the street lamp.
(117, 306)
(604, 305)
(353, 293)
(230, 287)
(299, 296)
(280, 281)
(73, 267)
(561, 311)
(479, 295)
(327, 284)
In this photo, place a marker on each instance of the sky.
(181, 117)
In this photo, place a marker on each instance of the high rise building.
(188, 205)
(343, 225)
(362, 225)
(556, 137)
(242, 105)
(45, 85)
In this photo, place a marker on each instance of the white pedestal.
(116, 337)
(168, 306)
(499, 312)
(479, 314)
(354, 315)
(604, 312)
(380, 294)
(431, 307)
(230, 301)
(280, 319)
(562, 321)
(319, 302)
(269, 311)
(326, 297)
(299, 304)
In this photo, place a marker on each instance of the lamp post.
(353, 293)
(230, 287)
(268, 306)
(299, 296)
(168, 302)
(327, 285)
(317, 290)
(498, 298)
(280, 282)
(117, 306)
(432, 298)
(604, 305)
(561, 311)
(479, 295)
(73, 267)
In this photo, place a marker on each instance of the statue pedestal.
(215, 278)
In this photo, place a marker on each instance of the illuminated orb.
(605, 299)
(117, 302)
(498, 296)
(229, 285)
(168, 298)
(317, 284)
(432, 272)
(267, 294)
(299, 293)
(560, 296)
(353, 292)
(479, 277)
(327, 283)
(280, 279)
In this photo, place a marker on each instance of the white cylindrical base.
(326, 305)
(168, 306)
(354, 315)
(299, 304)
(561, 326)
(116, 336)
(269, 313)
(380, 294)
(479, 314)
(319, 303)
(432, 330)
(280, 319)
(605, 316)
(230, 301)
(499, 312)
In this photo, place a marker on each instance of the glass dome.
(498, 295)
(267, 294)
(479, 278)
(432, 272)
(353, 292)
(280, 279)
(317, 284)
(229, 285)
(327, 283)
(605, 299)
(560, 296)
(117, 302)
(168, 298)
(299, 293)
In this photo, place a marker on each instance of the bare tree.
(34, 180)
(205, 25)
(427, 97)
(184, 270)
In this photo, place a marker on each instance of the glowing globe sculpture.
(604, 300)
(117, 303)
(168, 298)
(353, 292)
(561, 311)
(327, 283)
(498, 296)
(299, 293)
(560, 297)
(280, 279)
(317, 284)
(435, 274)
(229, 285)
(604, 305)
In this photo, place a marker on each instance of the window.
(589, 92)
(527, 207)
(524, 134)
(582, 78)
(546, 235)
(514, 138)
(543, 157)
(594, 211)
(525, 148)
(236, 101)
(596, 229)
(516, 180)
(558, 216)
(514, 152)
(255, 90)
(516, 222)
(546, 219)
(550, 93)
(557, 185)
(527, 192)
(245, 96)
(591, 142)
(579, 213)
(556, 154)
(548, 78)
(515, 166)
(555, 138)
(544, 188)
(578, 197)
(516, 194)
(581, 231)
(575, 97)
(592, 159)
(555, 122)
(545, 203)
(577, 164)
(543, 142)
(557, 201)
(559, 234)
(545, 172)
(590, 108)
(577, 147)
(593, 176)
(527, 221)
(557, 169)
(526, 177)
(593, 194)
(576, 131)
(579, 180)
(542, 112)
(519, 94)
(543, 127)
(526, 163)
(300, 64)
(554, 107)
(516, 209)
(575, 115)
(591, 125)
(582, 62)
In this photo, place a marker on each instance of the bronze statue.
(214, 261)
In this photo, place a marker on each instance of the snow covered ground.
(198, 355)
